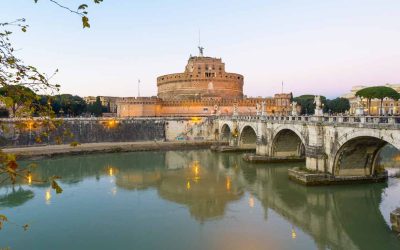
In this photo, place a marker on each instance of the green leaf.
(82, 6)
(98, 1)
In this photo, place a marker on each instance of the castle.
(203, 89)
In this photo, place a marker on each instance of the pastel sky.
(313, 46)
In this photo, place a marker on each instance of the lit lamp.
(110, 123)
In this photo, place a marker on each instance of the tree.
(71, 105)
(96, 108)
(20, 83)
(18, 98)
(338, 105)
(307, 103)
(378, 92)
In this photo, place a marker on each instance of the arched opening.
(365, 156)
(248, 138)
(288, 144)
(225, 133)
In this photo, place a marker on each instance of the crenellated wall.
(203, 76)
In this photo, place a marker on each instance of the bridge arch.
(226, 132)
(248, 137)
(287, 142)
(358, 152)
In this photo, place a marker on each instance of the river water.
(192, 200)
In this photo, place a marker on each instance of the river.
(191, 200)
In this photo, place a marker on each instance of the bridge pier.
(316, 159)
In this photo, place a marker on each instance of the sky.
(314, 47)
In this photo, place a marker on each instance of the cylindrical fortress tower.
(203, 77)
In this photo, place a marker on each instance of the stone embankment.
(224, 148)
(253, 158)
(38, 152)
(315, 178)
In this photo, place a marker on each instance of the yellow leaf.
(85, 22)
(3, 217)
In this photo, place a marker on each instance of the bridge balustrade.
(390, 120)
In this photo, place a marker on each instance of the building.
(391, 107)
(106, 101)
(204, 77)
(203, 89)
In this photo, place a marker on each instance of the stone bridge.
(340, 147)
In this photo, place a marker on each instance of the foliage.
(338, 105)
(307, 103)
(19, 99)
(19, 87)
(377, 92)
(96, 108)
(4, 113)
(74, 144)
(82, 11)
(65, 104)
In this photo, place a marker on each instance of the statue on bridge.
(318, 106)
(258, 109)
(318, 102)
(294, 108)
(263, 110)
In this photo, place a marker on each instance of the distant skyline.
(314, 47)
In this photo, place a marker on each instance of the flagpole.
(138, 87)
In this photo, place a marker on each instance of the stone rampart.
(17, 133)
(20, 132)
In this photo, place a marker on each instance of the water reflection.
(14, 197)
(206, 184)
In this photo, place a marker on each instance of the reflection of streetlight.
(29, 179)
(294, 235)
(228, 183)
(110, 171)
(188, 185)
(48, 196)
(251, 201)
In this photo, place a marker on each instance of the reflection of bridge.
(338, 145)
(328, 215)
(208, 183)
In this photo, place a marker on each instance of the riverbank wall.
(49, 151)
(37, 132)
